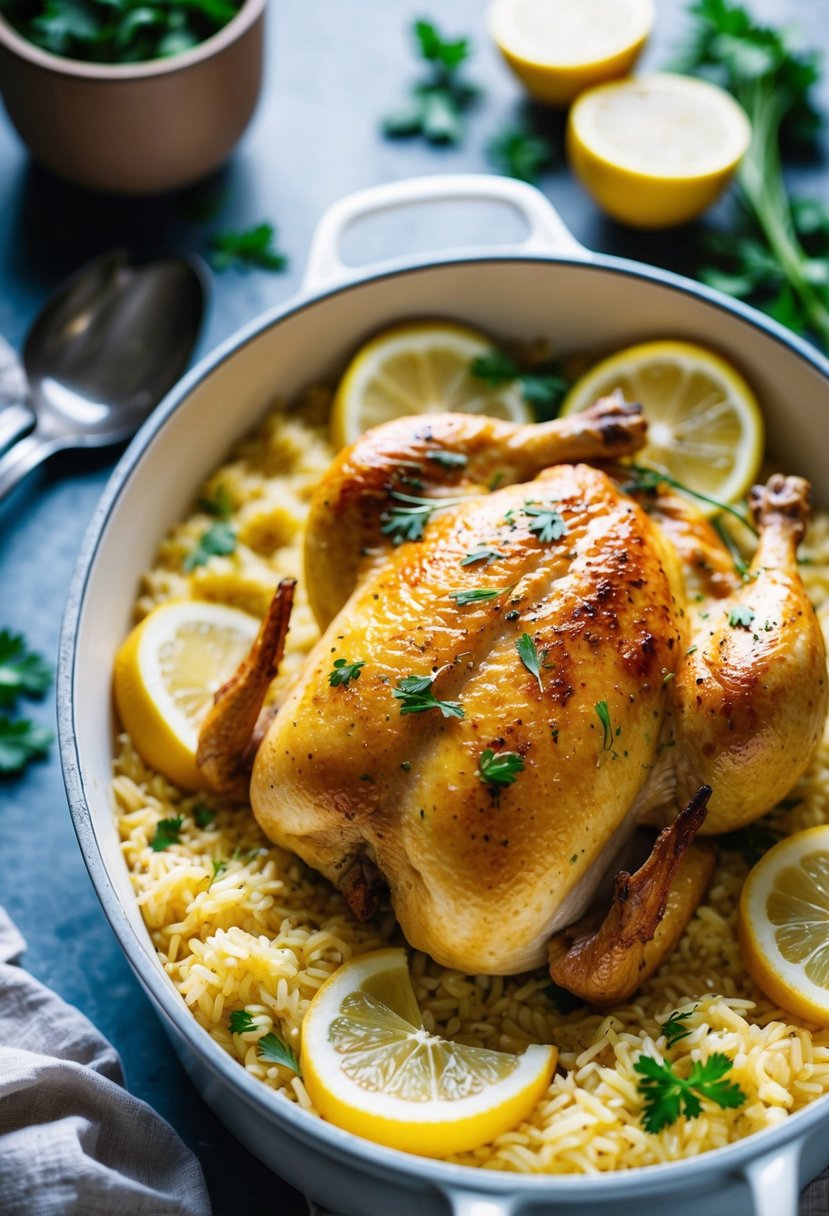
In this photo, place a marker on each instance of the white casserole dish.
(547, 286)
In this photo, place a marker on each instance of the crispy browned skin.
(605, 964)
(229, 737)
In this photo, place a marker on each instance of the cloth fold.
(72, 1140)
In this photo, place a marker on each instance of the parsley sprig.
(241, 1022)
(246, 247)
(344, 672)
(545, 521)
(438, 102)
(518, 152)
(407, 519)
(667, 1095)
(218, 541)
(773, 80)
(23, 672)
(276, 1051)
(674, 1028)
(741, 617)
(478, 595)
(415, 695)
(543, 386)
(499, 768)
(167, 832)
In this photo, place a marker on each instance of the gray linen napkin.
(72, 1140)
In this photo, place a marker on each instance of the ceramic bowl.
(138, 128)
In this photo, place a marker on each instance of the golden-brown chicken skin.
(595, 646)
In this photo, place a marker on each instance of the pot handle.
(547, 232)
(774, 1181)
(475, 1203)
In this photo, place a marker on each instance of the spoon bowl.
(106, 348)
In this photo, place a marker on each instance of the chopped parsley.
(529, 656)
(674, 1028)
(220, 504)
(482, 555)
(448, 460)
(20, 742)
(741, 617)
(667, 1096)
(203, 816)
(241, 1022)
(499, 768)
(167, 832)
(543, 386)
(275, 1051)
(519, 153)
(545, 522)
(218, 541)
(478, 595)
(415, 695)
(344, 672)
(607, 726)
(436, 103)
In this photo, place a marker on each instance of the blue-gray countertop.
(333, 68)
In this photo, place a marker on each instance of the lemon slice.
(784, 924)
(419, 368)
(656, 150)
(558, 48)
(705, 427)
(370, 1067)
(166, 673)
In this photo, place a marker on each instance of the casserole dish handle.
(774, 1181)
(546, 232)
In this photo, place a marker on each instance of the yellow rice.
(265, 933)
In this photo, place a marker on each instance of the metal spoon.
(100, 356)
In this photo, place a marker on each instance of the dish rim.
(348, 1148)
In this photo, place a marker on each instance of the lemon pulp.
(372, 1068)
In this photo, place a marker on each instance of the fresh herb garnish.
(667, 1096)
(765, 261)
(219, 503)
(218, 541)
(246, 247)
(241, 1022)
(482, 555)
(118, 31)
(650, 481)
(408, 521)
(448, 460)
(20, 742)
(437, 103)
(167, 832)
(529, 656)
(741, 617)
(272, 1048)
(219, 868)
(23, 672)
(674, 1028)
(499, 768)
(344, 672)
(203, 816)
(607, 727)
(546, 522)
(415, 695)
(517, 152)
(543, 386)
(478, 595)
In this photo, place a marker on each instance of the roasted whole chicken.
(527, 652)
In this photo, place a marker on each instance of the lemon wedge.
(705, 427)
(784, 924)
(418, 368)
(558, 48)
(166, 673)
(370, 1067)
(655, 151)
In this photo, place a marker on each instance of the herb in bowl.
(118, 31)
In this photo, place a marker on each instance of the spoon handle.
(19, 461)
(15, 420)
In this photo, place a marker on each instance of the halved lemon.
(784, 924)
(558, 48)
(655, 151)
(166, 673)
(705, 427)
(419, 368)
(370, 1067)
